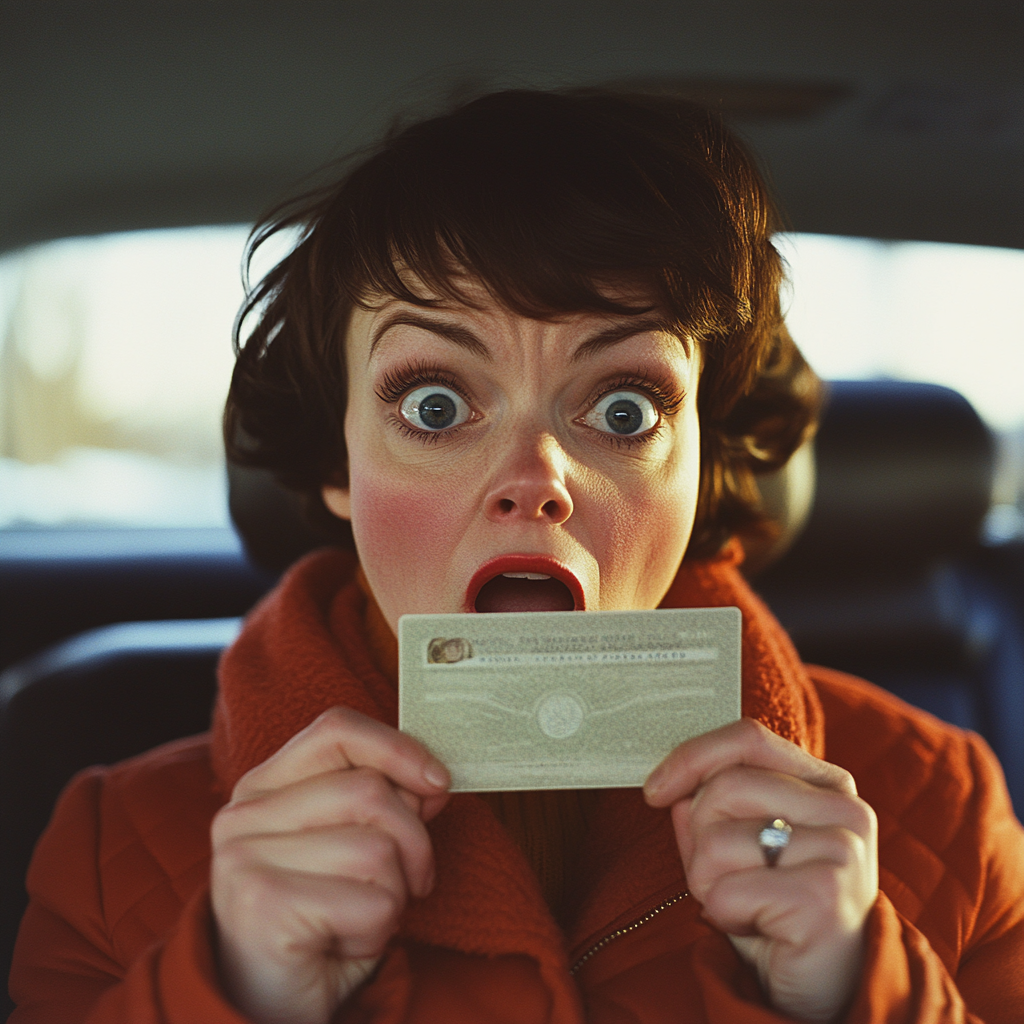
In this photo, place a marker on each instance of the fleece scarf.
(304, 649)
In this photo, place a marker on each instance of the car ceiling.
(886, 119)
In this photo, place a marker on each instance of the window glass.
(862, 308)
(115, 360)
(115, 356)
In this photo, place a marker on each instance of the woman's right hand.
(314, 860)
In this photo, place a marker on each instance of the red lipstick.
(542, 565)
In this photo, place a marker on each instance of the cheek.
(655, 529)
(647, 529)
(388, 518)
(403, 533)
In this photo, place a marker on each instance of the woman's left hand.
(800, 923)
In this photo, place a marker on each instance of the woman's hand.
(801, 922)
(314, 859)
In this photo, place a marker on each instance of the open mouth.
(524, 583)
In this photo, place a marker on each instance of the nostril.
(551, 509)
(506, 505)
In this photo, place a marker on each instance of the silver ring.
(773, 839)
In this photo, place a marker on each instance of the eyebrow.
(465, 338)
(455, 333)
(629, 329)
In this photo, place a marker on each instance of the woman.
(532, 352)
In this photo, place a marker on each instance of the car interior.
(894, 121)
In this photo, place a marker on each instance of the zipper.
(628, 928)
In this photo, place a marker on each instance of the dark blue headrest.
(904, 477)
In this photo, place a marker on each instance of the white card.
(565, 700)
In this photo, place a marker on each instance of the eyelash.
(660, 391)
(396, 383)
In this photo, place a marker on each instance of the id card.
(565, 700)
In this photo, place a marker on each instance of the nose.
(530, 486)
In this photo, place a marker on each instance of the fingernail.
(436, 776)
(654, 780)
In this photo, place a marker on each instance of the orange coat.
(121, 931)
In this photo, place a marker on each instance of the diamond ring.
(773, 839)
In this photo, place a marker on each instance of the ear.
(338, 500)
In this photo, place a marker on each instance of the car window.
(115, 357)
(114, 363)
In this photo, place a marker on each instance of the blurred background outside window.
(115, 356)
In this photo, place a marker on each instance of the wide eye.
(623, 413)
(434, 407)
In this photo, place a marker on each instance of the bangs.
(545, 201)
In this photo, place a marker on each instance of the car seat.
(887, 579)
(95, 699)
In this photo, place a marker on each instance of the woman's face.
(499, 463)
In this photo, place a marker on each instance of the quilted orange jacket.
(119, 928)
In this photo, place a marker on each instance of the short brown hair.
(541, 196)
